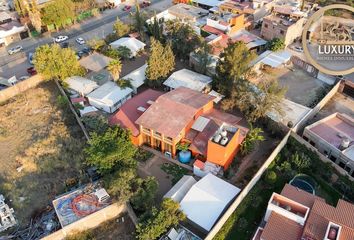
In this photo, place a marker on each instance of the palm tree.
(115, 68)
(253, 136)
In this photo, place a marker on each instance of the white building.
(109, 97)
(81, 85)
(136, 77)
(133, 44)
(189, 79)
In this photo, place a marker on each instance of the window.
(146, 130)
(333, 158)
(157, 134)
(325, 152)
(306, 138)
(312, 143)
(347, 168)
(341, 164)
(266, 25)
(168, 147)
(352, 174)
(281, 32)
(146, 139)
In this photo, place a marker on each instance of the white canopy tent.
(109, 97)
(180, 189)
(189, 79)
(81, 85)
(132, 43)
(206, 200)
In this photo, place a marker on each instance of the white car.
(80, 41)
(61, 39)
(15, 50)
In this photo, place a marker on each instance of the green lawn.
(243, 223)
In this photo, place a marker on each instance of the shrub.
(271, 177)
(62, 101)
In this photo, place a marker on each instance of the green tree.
(96, 44)
(161, 63)
(95, 123)
(120, 29)
(139, 19)
(144, 196)
(155, 29)
(54, 62)
(111, 149)
(20, 8)
(253, 136)
(203, 57)
(271, 177)
(276, 44)
(168, 215)
(124, 52)
(58, 12)
(300, 161)
(234, 64)
(183, 38)
(115, 68)
(119, 184)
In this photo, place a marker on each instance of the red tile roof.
(173, 111)
(281, 228)
(299, 195)
(219, 46)
(128, 113)
(212, 30)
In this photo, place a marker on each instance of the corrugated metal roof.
(200, 123)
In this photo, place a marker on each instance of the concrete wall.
(300, 125)
(20, 87)
(88, 222)
(248, 188)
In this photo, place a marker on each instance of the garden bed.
(243, 223)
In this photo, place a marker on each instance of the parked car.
(80, 41)
(82, 54)
(87, 50)
(31, 71)
(30, 58)
(61, 39)
(127, 8)
(2, 86)
(15, 50)
(298, 49)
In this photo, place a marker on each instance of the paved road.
(97, 27)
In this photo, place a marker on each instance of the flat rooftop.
(334, 128)
(182, 10)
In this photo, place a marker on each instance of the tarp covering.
(81, 85)
(206, 200)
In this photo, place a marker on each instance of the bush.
(275, 44)
(271, 177)
(62, 101)
(95, 123)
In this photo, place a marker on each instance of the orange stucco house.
(162, 120)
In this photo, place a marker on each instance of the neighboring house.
(271, 59)
(95, 62)
(137, 77)
(254, 11)
(195, 16)
(204, 201)
(226, 23)
(7, 219)
(81, 85)
(285, 22)
(109, 97)
(11, 30)
(133, 44)
(185, 115)
(295, 214)
(334, 137)
(189, 79)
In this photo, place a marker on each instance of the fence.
(88, 222)
(247, 189)
(20, 87)
(318, 107)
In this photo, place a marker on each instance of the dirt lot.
(302, 88)
(40, 147)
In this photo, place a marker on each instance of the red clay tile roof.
(212, 30)
(128, 113)
(299, 195)
(173, 111)
(219, 46)
(281, 228)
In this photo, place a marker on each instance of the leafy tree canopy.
(155, 29)
(161, 62)
(144, 196)
(111, 149)
(120, 29)
(115, 68)
(58, 12)
(54, 62)
(275, 44)
(160, 220)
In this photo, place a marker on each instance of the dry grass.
(40, 147)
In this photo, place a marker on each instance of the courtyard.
(40, 150)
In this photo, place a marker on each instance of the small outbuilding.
(189, 79)
(207, 199)
(95, 62)
(136, 77)
(271, 59)
(109, 97)
(132, 43)
(81, 85)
